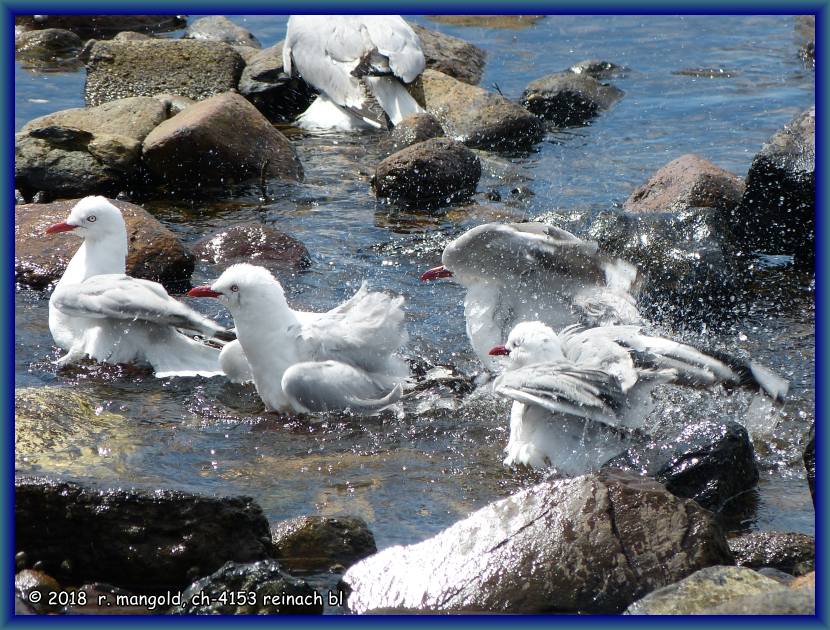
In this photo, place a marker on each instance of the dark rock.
(598, 69)
(106, 599)
(566, 98)
(450, 55)
(476, 117)
(810, 460)
(87, 26)
(706, 73)
(786, 551)
(140, 540)
(707, 461)
(436, 169)
(218, 141)
(258, 588)
(779, 576)
(218, 28)
(777, 212)
(592, 544)
(413, 129)
(687, 182)
(257, 244)
(154, 251)
(309, 543)
(196, 69)
(48, 43)
(28, 581)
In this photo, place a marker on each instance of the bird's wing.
(117, 296)
(395, 40)
(591, 347)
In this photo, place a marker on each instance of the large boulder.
(258, 244)
(476, 117)
(104, 26)
(154, 251)
(436, 170)
(783, 601)
(591, 544)
(809, 458)
(218, 28)
(451, 55)
(266, 85)
(777, 211)
(309, 543)
(216, 142)
(147, 541)
(196, 69)
(790, 552)
(687, 182)
(568, 98)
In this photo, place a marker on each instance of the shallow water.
(410, 477)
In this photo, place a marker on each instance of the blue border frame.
(8, 9)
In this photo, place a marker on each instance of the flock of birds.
(550, 317)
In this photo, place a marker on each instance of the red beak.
(498, 351)
(203, 291)
(436, 272)
(60, 227)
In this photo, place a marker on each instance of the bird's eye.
(91, 218)
(235, 288)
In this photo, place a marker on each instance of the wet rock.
(218, 28)
(566, 98)
(148, 541)
(258, 588)
(87, 26)
(450, 55)
(707, 461)
(784, 601)
(309, 543)
(218, 141)
(476, 117)
(702, 590)
(687, 182)
(413, 129)
(28, 581)
(779, 576)
(593, 544)
(106, 599)
(173, 103)
(777, 212)
(489, 21)
(706, 73)
(598, 69)
(810, 460)
(196, 69)
(154, 251)
(18, 197)
(272, 92)
(787, 551)
(47, 43)
(436, 169)
(258, 244)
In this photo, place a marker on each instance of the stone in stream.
(103, 26)
(218, 28)
(791, 552)
(451, 55)
(309, 543)
(809, 458)
(598, 69)
(218, 141)
(592, 544)
(147, 541)
(154, 251)
(257, 244)
(413, 129)
(569, 99)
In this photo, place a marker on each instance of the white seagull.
(310, 362)
(97, 311)
(580, 395)
(358, 64)
(518, 272)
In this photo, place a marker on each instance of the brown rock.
(309, 543)
(787, 551)
(218, 28)
(47, 42)
(687, 182)
(413, 129)
(451, 55)
(29, 581)
(488, 21)
(154, 251)
(256, 244)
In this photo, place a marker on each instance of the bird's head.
(528, 343)
(243, 285)
(92, 218)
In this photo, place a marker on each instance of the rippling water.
(410, 477)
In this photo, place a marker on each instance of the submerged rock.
(218, 28)
(413, 129)
(105, 26)
(687, 182)
(309, 543)
(790, 552)
(598, 69)
(451, 55)
(154, 251)
(567, 98)
(148, 541)
(810, 460)
(592, 544)
(257, 244)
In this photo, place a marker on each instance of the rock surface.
(598, 69)
(309, 543)
(429, 171)
(451, 55)
(216, 142)
(413, 129)
(567, 98)
(154, 251)
(196, 69)
(476, 117)
(257, 244)
(784, 601)
(104, 26)
(810, 460)
(47, 42)
(135, 539)
(218, 28)
(593, 544)
(790, 552)
(28, 581)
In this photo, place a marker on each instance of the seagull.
(359, 65)
(310, 362)
(580, 396)
(98, 311)
(518, 272)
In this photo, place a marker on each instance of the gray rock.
(413, 129)
(598, 69)
(567, 99)
(436, 170)
(790, 552)
(18, 197)
(777, 211)
(476, 117)
(130, 36)
(48, 42)
(784, 601)
(140, 540)
(309, 543)
(216, 142)
(196, 69)
(779, 576)
(706, 73)
(173, 103)
(258, 244)
(809, 458)
(592, 544)
(687, 182)
(87, 26)
(272, 92)
(450, 55)
(218, 28)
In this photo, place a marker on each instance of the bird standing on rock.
(310, 362)
(358, 64)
